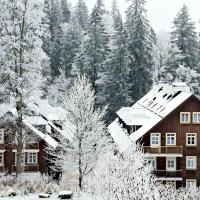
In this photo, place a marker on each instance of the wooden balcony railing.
(170, 174)
(163, 149)
(27, 168)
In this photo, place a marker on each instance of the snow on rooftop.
(36, 120)
(119, 137)
(45, 137)
(133, 116)
(67, 131)
(5, 108)
(151, 109)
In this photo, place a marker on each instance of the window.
(185, 117)
(170, 138)
(155, 139)
(191, 139)
(1, 159)
(191, 162)
(171, 164)
(31, 158)
(152, 161)
(1, 136)
(196, 117)
(191, 183)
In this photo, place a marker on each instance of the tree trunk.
(80, 178)
(19, 133)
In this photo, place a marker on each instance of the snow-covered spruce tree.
(72, 38)
(95, 52)
(21, 56)
(52, 39)
(184, 51)
(88, 133)
(81, 13)
(66, 12)
(126, 175)
(117, 82)
(139, 49)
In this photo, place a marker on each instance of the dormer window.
(1, 136)
(185, 117)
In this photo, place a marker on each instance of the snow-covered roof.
(36, 120)
(119, 136)
(29, 121)
(7, 108)
(45, 137)
(153, 107)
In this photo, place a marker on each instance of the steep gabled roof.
(29, 121)
(151, 109)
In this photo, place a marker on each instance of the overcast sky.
(160, 12)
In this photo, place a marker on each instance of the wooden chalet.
(40, 122)
(166, 122)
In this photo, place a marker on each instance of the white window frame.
(167, 135)
(189, 185)
(190, 135)
(30, 159)
(159, 138)
(2, 133)
(195, 113)
(2, 162)
(195, 161)
(169, 168)
(189, 118)
(151, 160)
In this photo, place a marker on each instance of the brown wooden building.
(40, 123)
(166, 121)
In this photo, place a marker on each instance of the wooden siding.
(9, 159)
(171, 124)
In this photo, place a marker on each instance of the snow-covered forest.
(91, 64)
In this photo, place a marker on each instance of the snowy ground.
(29, 197)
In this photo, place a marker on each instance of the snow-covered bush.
(25, 184)
(125, 175)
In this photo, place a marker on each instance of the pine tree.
(139, 49)
(184, 48)
(65, 11)
(74, 36)
(92, 58)
(53, 38)
(117, 86)
(81, 13)
(97, 51)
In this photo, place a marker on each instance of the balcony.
(27, 168)
(164, 151)
(168, 175)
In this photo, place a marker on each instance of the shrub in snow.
(25, 184)
(125, 175)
